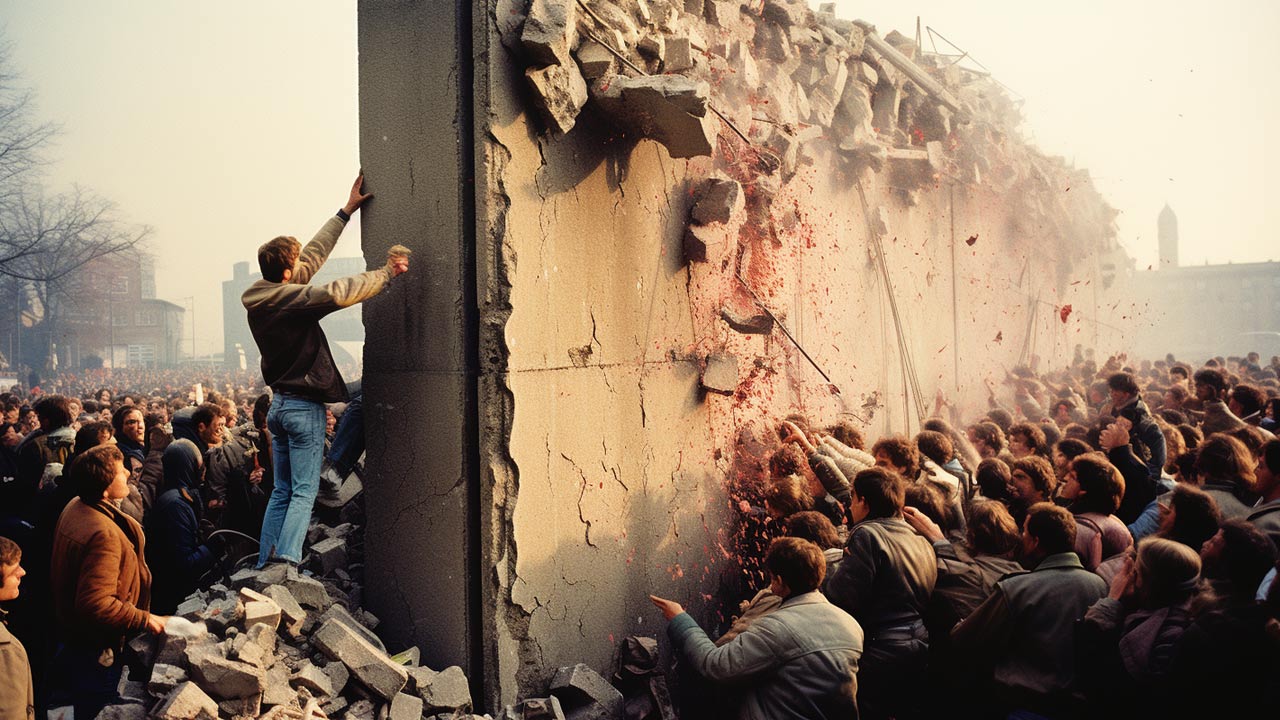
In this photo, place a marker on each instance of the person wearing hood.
(177, 554)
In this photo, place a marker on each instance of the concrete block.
(262, 636)
(179, 634)
(719, 201)
(308, 591)
(653, 47)
(884, 106)
(782, 12)
(187, 702)
(405, 707)
(559, 94)
(290, 611)
(131, 689)
(584, 694)
(550, 31)
(339, 613)
(328, 555)
(123, 711)
(313, 679)
(262, 612)
(720, 376)
(190, 607)
(595, 61)
(165, 679)
(696, 240)
(854, 116)
(535, 709)
(278, 691)
(671, 109)
(221, 613)
(444, 691)
(864, 73)
(144, 647)
(772, 42)
(722, 13)
(338, 675)
(693, 7)
(248, 651)
(856, 35)
(933, 152)
(351, 487)
(367, 664)
(226, 679)
(679, 55)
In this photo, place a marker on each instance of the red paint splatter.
(1065, 312)
(999, 335)
(972, 239)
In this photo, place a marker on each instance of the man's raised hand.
(356, 198)
(669, 608)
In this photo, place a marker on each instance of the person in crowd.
(1191, 517)
(1027, 440)
(1127, 639)
(1225, 470)
(1032, 481)
(994, 479)
(1211, 392)
(178, 554)
(787, 496)
(345, 451)
(50, 444)
(1093, 488)
(1246, 402)
(966, 456)
(1227, 660)
(988, 439)
(799, 661)
(1265, 515)
(901, 455)
(129, 425)
(238, 476)
(826, 482)
(884, 581)
(101, 584)
(1146, 439)
(202, 425)
(17, 694)
(1025, 630)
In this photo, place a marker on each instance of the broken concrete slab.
(772, 42)
(584, 694)
(559, 94)
(367, 664)
(652, 47)
(754, 324)
(405, 707)
(328, 555)
(679, 55)
(534, 709)
(225, 679)
(179, 634)
(165, 679)
(313, 679)
(722, 13)
(719, 200)
(123, 711)
(696, 239)
(291, 612)
(720, 376)
(221, 613)
(262, 612)
(278, 691)
(308, 591)
(338, 675)
(671, 109)
(595, 61)
(339, 613)
(248, 707)
(884, 106)
(444, 691)
(187, 702)
(550, 31)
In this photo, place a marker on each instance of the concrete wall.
(597, 471)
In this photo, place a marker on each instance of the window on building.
(120, 318)
(146, 318)
(120, 285)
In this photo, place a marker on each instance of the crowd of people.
(116, 505)
(1101, 542)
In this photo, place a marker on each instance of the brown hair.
(1167, 572)
(815, 527)
(935, 446)
(992, 530)
(902, 453)
(10, 552)
(881, 489)
(798, 563)
(789, 495)
(1053, 527)
(1040, 470)
(990, 434)
(93, 471)
(277, 255)
(1101, 482)
(848, 434)
(1032, 436)
(1225, 459)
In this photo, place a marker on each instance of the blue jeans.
(297, 447)
(348, 440)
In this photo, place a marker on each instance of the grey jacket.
(799, 662)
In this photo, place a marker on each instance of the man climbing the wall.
(284, 316)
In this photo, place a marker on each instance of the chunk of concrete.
(722, 13)
(696, 240)
(329, 555)
(246, 707)
(595, 61)
(221, 613)
(187, 702)
(339, 613)
(679, 55)
(226, 679)
(854, 116)
(444, 691)
(262, 612)
(884, 106)
(338, 675)
(754, 324)
(783, 12)
(584, 694)
(550, 31)
(559, 94)
(720, 376)
(405, 707)
(351, 487)
(123, 711)
(278, 691)
(179, 634)
(653, 47)
(369, 665)
(535, 709)
(360, 710)
(719, 201)
(313, 679)
(671, 109)
(308, 591)
(772, 42)
(290, 611)
(165, 679)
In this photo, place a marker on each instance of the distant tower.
(1167, 233)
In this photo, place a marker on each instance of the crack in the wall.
(582, 492)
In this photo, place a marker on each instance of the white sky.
(223, 124)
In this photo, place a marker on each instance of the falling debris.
(972, 239)
(1065, 312)
(999, 336)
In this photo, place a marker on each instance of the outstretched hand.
(922, 524)
(669, 608)
(356, 198)
(398, 259)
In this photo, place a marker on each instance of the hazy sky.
(224, 124)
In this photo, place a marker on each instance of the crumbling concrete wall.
(899, 229)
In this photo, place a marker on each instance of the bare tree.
(22, 138)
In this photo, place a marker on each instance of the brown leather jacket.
(100, 580)
(285, 320)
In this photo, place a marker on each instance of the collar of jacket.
(1060, 561)
(813, 597)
